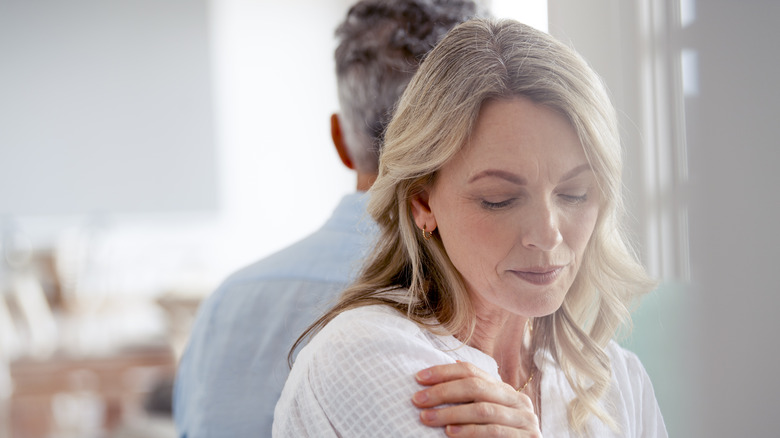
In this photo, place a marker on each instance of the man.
(233, 370)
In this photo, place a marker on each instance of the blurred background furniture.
(87, 397)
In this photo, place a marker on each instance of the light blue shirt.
(235, 365)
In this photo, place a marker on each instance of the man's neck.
(365, 181)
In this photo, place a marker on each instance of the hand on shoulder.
(470, 403)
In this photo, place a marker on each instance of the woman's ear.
(424, 217)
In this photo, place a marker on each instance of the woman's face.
(515, 208)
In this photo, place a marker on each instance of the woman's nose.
(541, 229)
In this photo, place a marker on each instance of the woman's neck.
(504, 337)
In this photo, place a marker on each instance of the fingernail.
(420, 397)
(424, 375)
(429, 415)
(453, 429)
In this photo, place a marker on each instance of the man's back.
(248, 325)
(235, 365)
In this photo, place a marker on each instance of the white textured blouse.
(356, 379)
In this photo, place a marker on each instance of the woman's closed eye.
(497, 205)
(574, 199)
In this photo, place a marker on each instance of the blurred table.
(85, 397)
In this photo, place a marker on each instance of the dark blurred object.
(160, 399)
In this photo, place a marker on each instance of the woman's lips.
(540, 276)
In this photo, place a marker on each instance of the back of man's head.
(381, 44)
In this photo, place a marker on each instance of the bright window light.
(531, 12)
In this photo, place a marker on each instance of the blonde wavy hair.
(477, 61)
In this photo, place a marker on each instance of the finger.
(492, 430)
(452, 371)
(481, 413)
(471, 389)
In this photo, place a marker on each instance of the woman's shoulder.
(380, 333)
(625, 364)
(364, 332)
(377, 315)
(357, 375)
(366, 322)
(628, 372)
(634, 387)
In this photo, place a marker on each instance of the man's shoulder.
(286, 262)
(293, 283)
(290, 284)
(313, 258)
(333, 254)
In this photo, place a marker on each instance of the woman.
(500, 274)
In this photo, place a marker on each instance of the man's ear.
(338, 141)
(421, 211)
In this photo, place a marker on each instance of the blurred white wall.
(270, 175)
(275, 87)
(266, 173)
(106, 107)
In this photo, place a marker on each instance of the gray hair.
(381, 44)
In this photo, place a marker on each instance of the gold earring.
(426, 234)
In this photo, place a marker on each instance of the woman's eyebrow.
(503, 174)
(519, 180)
